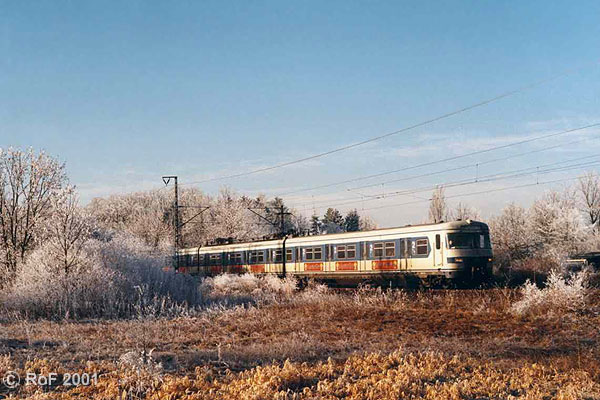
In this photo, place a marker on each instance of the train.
(432, 254)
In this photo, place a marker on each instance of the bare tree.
(589, 191)
(510, 235)
(464, 212)
(67, 231)
(438, 210)
(555, 225)
(145, 215)
(27, 183)
(230, 218)
(367, 223)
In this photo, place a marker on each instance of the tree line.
(56, 254)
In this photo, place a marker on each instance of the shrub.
(237, 289)
(560, 297)
(112, 279)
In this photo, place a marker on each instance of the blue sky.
(125, 92)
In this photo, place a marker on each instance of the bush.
(237, 289)
(112, 279)
(560, 297)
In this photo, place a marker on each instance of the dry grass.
(322, 344)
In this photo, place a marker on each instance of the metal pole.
(282, 229)
(177, 233)
(284, 255)
(166, 180)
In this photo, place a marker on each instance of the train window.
(346, 251)
(422, 246)
(390, 249)
(351, 251)
(481, 242)
(277, 256)
(318, 253)
(468, 241)
(313, 253)
(341, 252)
(236, 258)
(215, 259)
(288, 255)
(438, 242)
(257, 257)
(308, 254)
(378, 250)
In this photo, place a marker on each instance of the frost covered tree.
(67, 230)
(149, 216)
(555, 224)
(146, 215)
(230, 218)
(301, 225)
(463, 212)
(28, 181)
(589, 194)
(367, 223)
(438, 210)
(510, 235)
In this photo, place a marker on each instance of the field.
(319, 343)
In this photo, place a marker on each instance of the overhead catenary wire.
(446, 170)
(429, 163)
(386, 135)
(478, 193)
(478, 164)
(483, 179)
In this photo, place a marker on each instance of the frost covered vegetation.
(59, 259)
(83, 289)
(561, 296)
(530, 243)
(271, 340)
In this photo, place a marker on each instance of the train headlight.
(490, 259)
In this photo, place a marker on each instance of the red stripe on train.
(313, 267)
(257, 269)
(346, 266)
(385, 265)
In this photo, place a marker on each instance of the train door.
(438, 247)
(403, 255)
(410, 250)
(364, 256)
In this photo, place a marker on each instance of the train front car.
(469, 252)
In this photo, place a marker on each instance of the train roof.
(332, 237)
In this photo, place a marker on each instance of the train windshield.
(468, 241)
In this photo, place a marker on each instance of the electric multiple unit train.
(432, 253)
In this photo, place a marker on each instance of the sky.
(125, 92)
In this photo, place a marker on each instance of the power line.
(478, 193)
(478, 163)
(483, 179)
(406, 178)
(397, 132)
(440, 161)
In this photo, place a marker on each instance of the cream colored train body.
(447, 251)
